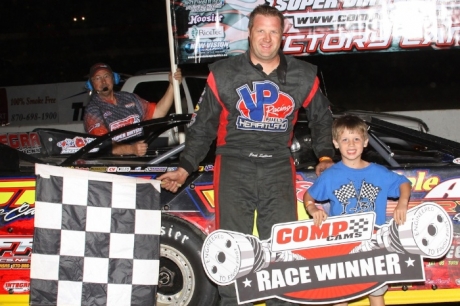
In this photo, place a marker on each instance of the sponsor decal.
(72, 145)
(203, 6)
(17, 286)
(28, 143)
(124, 122)
(156, 169)
(209, 47)
(196, 19)
(197, 33)
(98, 169)
(264, 107)
(137, 169)
(17, 200)
(15, 252)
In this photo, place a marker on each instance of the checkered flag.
(359, 225)
(96, 239)
(345, 192)
(369, 191)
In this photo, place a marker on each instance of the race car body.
(430, 163)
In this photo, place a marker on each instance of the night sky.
(41, 43)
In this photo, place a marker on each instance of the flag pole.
(172, 59)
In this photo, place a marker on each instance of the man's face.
(102, 81)
(265, 38)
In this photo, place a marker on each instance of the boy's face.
(351, 145)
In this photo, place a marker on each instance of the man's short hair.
(265, 10)
(351, 123)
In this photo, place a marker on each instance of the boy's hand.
(400, 213)
(318, 215)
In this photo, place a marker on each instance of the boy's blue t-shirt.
(351, 191)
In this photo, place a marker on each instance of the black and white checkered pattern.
(359, 225)
(369, 191)
(345, 192)
(96, 239)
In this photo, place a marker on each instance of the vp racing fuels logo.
(265, 108)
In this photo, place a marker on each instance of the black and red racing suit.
(253, 116)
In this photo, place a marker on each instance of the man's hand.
(323, 165)
(138, 148)
(173, 180)
(177, 76)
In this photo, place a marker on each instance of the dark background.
(41, 43)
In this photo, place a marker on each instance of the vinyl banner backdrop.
(96, 239)
(207, 30)
(345, 258)
(34, 105)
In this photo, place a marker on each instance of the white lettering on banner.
(279, 278)
(203, 5)
(291, 277)
(302, 5)
(379, 265)
(335, 18)
(205, 19)
(334, 42)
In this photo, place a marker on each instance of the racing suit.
(253, 116)
(102, 117)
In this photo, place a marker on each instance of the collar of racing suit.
(281, 70)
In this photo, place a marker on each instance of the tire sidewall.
(188, 240)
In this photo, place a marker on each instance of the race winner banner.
(208, 30)
(344, 258)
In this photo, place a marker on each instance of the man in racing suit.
(108, 110)
(251, 103)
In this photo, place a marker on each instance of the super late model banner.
(207, 30)
(345, 258)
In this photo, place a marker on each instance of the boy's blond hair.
(351, 123)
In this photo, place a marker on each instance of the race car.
(431, 163)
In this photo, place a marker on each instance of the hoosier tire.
(182, 280)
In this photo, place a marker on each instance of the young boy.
(354, 185)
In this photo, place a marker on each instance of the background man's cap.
(99, 66)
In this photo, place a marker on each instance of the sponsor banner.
(210, 30)
(43, 104)
(279, 267)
